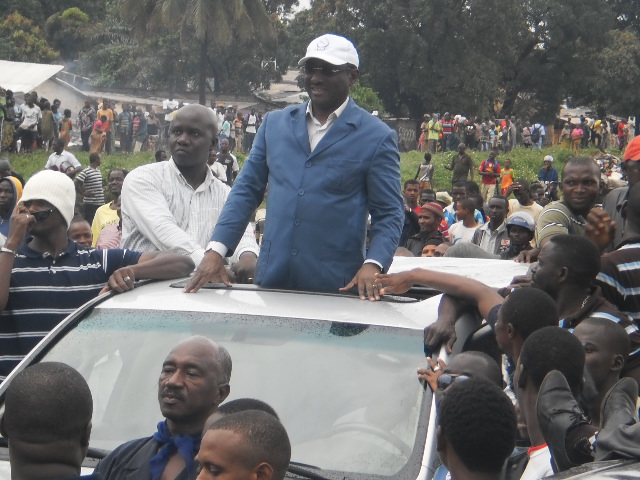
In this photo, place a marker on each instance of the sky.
(303, 5)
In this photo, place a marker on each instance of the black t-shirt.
(227, 160)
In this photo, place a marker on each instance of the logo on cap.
(322, 44)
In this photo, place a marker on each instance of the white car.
(340, 372)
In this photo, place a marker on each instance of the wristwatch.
(7, 250)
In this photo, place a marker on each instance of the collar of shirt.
(27, 251)
(315, 129)
(501, 228)
(175, 171)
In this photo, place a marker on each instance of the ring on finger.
(127, 279)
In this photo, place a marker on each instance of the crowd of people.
(335, 218)
(442, 133)
(36, 124)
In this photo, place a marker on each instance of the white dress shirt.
(161, 211)
(317, 130)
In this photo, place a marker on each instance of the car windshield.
(348, 394)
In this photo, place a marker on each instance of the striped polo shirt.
(91, 178)
(44, 290)
(619, 278)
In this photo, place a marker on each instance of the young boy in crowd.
(474, 438)
(520, 229)
(606, 346)
(463, 230)
(425, 173)
(80, 231)
(246, 445)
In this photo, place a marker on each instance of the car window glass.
(348, 394)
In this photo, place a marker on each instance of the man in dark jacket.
(193, 381)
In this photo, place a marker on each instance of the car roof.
(252, 300)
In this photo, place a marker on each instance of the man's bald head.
(191, 137)
(218, 354)
(209, 119)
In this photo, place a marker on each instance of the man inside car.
(193, 381)
(44, 276)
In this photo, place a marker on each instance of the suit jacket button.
(301, 192)
(294, 252)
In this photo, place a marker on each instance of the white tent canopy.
(25, 77)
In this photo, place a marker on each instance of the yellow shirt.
(104, 216)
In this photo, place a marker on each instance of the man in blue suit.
(329, 165)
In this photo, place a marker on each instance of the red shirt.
(489, 166)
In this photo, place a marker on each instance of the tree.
(475, 56)
(67, 32)
(22, 41)
(614, 83)
(213, 24)
(39, 10)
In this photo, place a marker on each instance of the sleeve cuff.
(375, 263)
(218, 247)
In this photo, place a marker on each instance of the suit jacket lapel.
(299, 127)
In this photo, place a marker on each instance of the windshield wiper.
(306, 471)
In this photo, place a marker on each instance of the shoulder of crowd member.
(554, 219)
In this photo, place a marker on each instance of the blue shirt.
(44, 290)
(550, 176)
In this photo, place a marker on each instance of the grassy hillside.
(526, 162)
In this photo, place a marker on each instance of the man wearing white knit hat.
(44, 276)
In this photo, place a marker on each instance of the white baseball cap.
(548, 158)
(333, 49)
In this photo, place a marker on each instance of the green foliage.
(367, 98)
(613, 85)
(75, 14)
(29, 163)
(212, 26)
(22, 41)
(482, 57)
(67, 32)
(526, 163)
(40, 10)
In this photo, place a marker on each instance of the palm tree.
(216, 24)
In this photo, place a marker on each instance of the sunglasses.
(42, 215)
(445, 380)
(326, 70)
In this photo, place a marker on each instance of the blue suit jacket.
(318, 202)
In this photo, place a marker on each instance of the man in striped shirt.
(619, 276)
(580, 188)
(44, 276)
(89, 184)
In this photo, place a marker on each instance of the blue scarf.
(186, 445)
